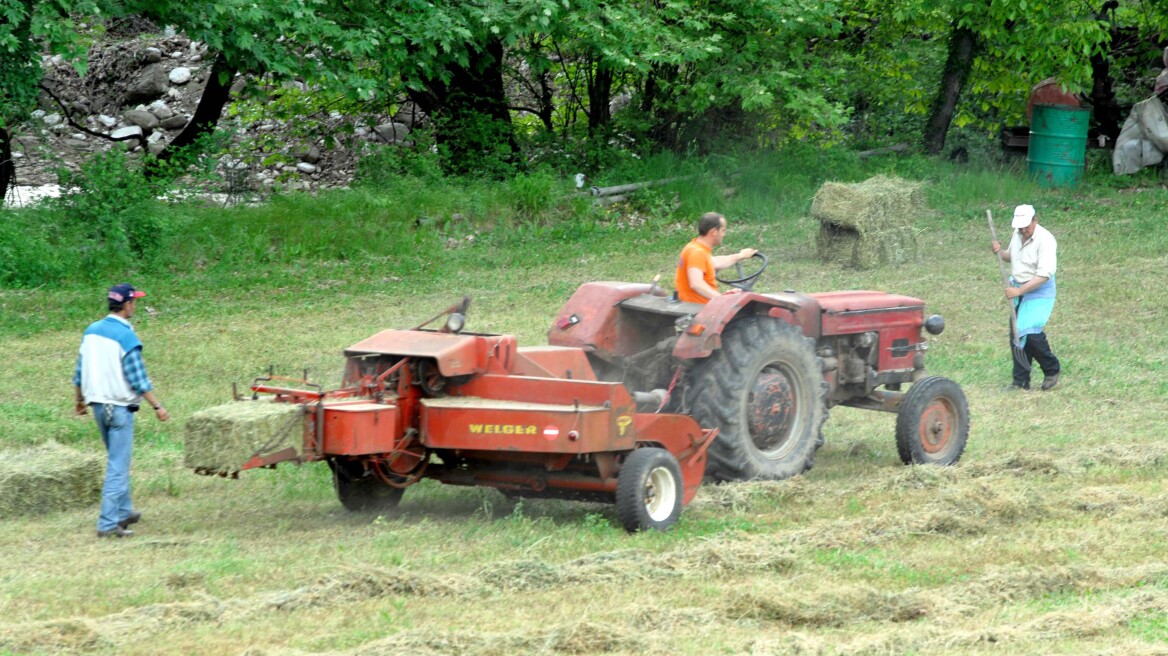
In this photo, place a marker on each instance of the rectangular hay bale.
(876, 203)
(223, 438)
(868, 224)
(48, 478)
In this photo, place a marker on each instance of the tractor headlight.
(935, 324)
(455, 322)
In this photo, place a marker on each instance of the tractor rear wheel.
(359, 490)
(649, 490)
(932, 423)
(764, 390)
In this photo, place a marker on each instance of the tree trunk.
(547, 103)
(20, 71)
(215, 97)
(7, 166)
(962, 47)
(599, 98)
(1106, 110)
(472, 125)
(655, 103)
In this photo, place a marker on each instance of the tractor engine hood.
(456, 355)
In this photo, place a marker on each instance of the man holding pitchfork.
(1032, 254)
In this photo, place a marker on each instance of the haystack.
(223, 438)
(867, 224)
(48, 478)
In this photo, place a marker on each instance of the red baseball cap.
(124, 292)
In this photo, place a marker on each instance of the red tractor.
(763, 369)
(632, 394)
(475, 409)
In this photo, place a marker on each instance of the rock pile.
(140, 92)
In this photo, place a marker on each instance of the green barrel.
(1058, 144)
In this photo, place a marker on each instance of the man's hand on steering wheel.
(745, 282)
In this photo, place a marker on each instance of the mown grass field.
(1048, 537)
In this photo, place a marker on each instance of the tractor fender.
(591, 319)
(704, 334)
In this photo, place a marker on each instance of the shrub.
(114, 205)
(30, 252)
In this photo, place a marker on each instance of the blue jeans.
(116, 424)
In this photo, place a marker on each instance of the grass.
(1048, 537)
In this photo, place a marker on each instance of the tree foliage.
(495, 75)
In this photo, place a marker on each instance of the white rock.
(174, 93)
(154, 137)
(158, 106)
(78, 136)
(180, 75)
(168, 31)
(195, 45)
(305, 167)
(52, 119)
(56, 60)
(107, 121)
(38, 113)
(196, 59)
(126, 132)
(360, 130)
(177, 54)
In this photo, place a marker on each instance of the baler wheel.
(932, 423)
(649, 490)
(764, 390)
(360, 490)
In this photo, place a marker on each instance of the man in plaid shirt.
(111, 378)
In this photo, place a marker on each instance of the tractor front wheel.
(764, 390)
(649, 490)
(360, 490)
(932, 423)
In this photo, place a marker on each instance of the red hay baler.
(476, 409)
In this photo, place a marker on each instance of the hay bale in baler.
(48, 478)
(866, 224)
(221, 439)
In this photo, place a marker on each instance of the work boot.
(1049, 382)
(132, 519)
(116, 532)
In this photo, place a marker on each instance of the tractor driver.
(695, 281)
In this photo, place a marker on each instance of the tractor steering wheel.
(745, 282)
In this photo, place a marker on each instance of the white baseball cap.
(1023, 215)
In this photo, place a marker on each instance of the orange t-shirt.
(698, 256)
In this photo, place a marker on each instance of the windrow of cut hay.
(869, 223)
(221, 439)
(48, 478)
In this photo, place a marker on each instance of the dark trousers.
(1037, 348)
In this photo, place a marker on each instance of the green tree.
(258, 37)
(28, 28)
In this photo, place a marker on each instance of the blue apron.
(1034, 309)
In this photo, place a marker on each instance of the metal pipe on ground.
(628, 188)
